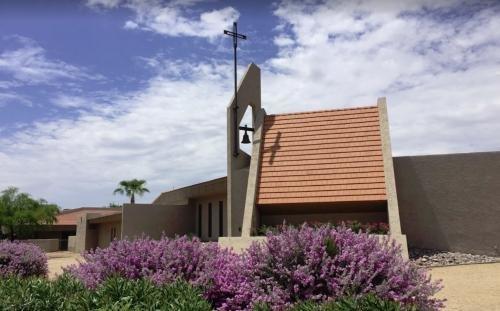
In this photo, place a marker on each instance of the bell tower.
(242, 168)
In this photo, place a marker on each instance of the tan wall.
(104, 233)
(72, 243)
(47, 245)
(239, 244)
(215, 216)
(297, 219)
(450, 202)
(238, 164)
(182, 196)
(86, 236)
(153, 220)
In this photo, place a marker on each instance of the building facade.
(322, 166)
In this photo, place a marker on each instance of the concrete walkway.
(470, 287)
(58, 260)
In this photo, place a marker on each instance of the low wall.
(47, 245)
(155, 220)
(450, 202)
(72, 243)
(239, 244)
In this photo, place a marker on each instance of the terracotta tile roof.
(71, 216)
(321, 157)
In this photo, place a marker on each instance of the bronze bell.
(246, 139)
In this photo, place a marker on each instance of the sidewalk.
(470, 287)
(58, 260)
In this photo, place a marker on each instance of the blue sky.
(97, 91)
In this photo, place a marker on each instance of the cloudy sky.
(95, 92)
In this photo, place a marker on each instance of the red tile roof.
(321, 157)
(72, 216)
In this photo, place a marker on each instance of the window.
(199, 221)
(209, 220)
(221, 218)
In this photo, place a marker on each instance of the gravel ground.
(436, 258)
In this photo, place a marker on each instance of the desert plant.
(21, 259)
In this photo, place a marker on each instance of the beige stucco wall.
(154, 220)
(450, 202)
(239, 244)
(238, 166)
(104, 233)
(86, 236)
(181, 196)
(204, 202)
(47, 245)
(72, 243)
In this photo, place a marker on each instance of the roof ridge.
(324, 110)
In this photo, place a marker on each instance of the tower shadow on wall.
(273, 148)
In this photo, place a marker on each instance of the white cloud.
(29, 64)
(103, 3)
(66, 101)
(437, 72)
(130, 25)
(171, 133)
(173, 18)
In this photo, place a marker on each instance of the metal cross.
(235, 36)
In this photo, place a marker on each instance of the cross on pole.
(235, 36)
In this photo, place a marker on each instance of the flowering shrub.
(162, 261)
(370, 227)
(354, 225)
(299, 264)
(322, 263)
(22, 260)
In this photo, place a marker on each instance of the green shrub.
(115, 294)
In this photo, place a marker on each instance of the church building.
(323, 166)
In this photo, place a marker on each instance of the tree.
(130, 188)
(20, 213)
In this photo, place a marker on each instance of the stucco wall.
(47, 245)
(204, 202)
(72, 243)
(153, 220)
(104, 233)
(450, 202)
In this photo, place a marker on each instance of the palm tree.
(130, 188)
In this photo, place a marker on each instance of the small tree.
(20, 213)
(130, 188)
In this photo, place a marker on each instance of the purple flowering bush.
(18, 259)
(162, 261)
(324, 263)
(314, 264)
